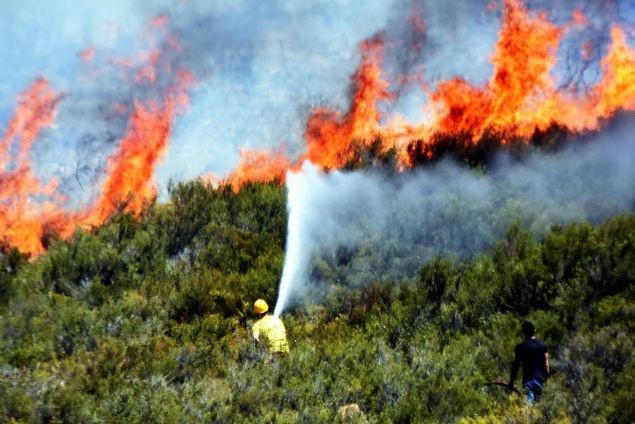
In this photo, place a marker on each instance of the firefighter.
(269, 330)
(532, 353)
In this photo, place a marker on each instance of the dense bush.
(148, 321)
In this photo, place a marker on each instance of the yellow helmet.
(260, 306)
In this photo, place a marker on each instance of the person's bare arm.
(514, 371)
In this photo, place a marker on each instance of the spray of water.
(365, 227)
(297, 250)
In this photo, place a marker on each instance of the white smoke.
(381, 228)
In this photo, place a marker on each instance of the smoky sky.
(260, 67)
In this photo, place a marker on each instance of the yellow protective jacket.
(272, 329)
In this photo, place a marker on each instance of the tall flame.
(20, 219)
(519, 99)
(30, 210)
(511, 102)
(35, 111)
(617, 88)
(329, 137)
(131, 168)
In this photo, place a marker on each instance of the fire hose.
(503, 384)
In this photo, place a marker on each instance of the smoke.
(258, 68)
(354, 228)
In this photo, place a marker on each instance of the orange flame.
(329, 138)
(511, 104)
(20, 223)
(35, 111)
(131, 168)
(520, 98)
(617, 88)
(258, 165)
(30, 210)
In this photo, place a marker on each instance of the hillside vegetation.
(148, 321)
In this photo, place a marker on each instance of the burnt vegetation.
(462, 148)
(147, 321)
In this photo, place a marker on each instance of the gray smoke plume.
(379, 228)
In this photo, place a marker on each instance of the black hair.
(528, 329)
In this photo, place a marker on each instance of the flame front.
(520, 98)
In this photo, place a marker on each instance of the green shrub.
(149, 321)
